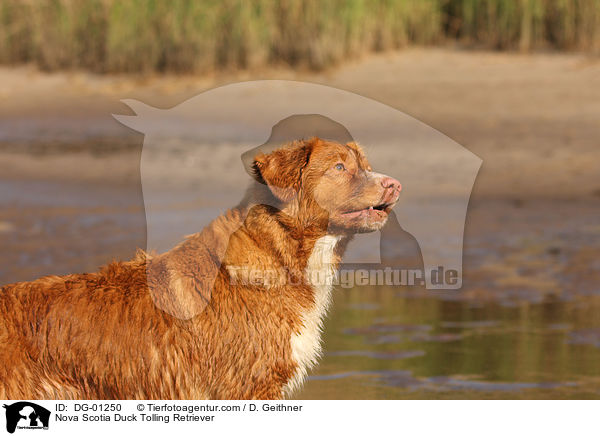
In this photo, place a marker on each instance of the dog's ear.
(281, 170)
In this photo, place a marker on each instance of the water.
(381, 344)
(524, 325)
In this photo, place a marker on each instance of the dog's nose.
(390, 182)
(392, 189)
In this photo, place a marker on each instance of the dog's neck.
(293, 236)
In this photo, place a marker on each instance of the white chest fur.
(306, 344)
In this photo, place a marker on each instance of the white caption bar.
(300, 417)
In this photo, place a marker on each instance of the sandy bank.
(532, 119)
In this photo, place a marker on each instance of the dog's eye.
(340, 167)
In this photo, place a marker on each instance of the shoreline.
(533, 119)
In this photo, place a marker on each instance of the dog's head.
(323, 181)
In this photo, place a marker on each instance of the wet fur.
(102, 336)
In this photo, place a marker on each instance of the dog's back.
(60, 336)
(170, 326)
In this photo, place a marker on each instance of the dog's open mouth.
(379, 211)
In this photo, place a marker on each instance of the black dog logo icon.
(33, 416)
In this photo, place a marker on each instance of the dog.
(188, 323)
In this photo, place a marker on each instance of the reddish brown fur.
(101, 335)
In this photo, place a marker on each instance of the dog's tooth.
(371, 208)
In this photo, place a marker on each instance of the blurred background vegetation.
(197, 36)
